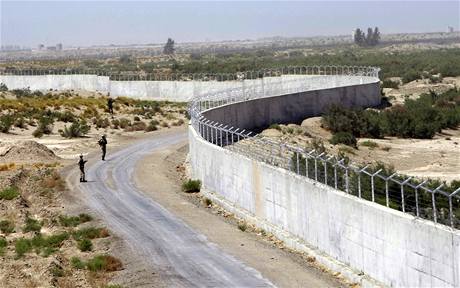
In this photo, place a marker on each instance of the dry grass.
(53, 181)
(7, 166)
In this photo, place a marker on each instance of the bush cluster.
(73, 221)
(387, 83)
(44, 245)
(421, 118)
(77, 129)
(191, 186)
(9, 193)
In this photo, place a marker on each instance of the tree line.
(371, 39)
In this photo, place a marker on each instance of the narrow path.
(184, 256)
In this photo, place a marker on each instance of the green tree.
(169, 47)
(359, 37)
(376, 36)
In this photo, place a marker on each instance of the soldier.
(110, 105)
(81, 163)
(103, 143)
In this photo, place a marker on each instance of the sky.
(86, 23)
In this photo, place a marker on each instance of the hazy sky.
(86, 23)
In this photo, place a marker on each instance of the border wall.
(146, 90)
(386, 246)
(389, 246)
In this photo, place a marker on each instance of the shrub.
(242, 226)
(37, 133)
(57, 271)
(6, 227)
(207, 202)
(410, 76)
(370, 144)
(3, 244)
(387, 83)
(343, 138)
(32, 225)
(152, 126)
(66, 117)
(191, 186)
(85, 245)
(115, 123)
(45, 126)
(318, 145)
(105, 263)
(90, 233)
(22, 246)
(90, 112)
(102, 123)
(6, 121)
(77, 263)
(136, 126)
(77, 129)
(9, 193)
(73, 221)
(46, 245)
(275, 126)
(124, 123)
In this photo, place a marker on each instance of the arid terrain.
(437, 158)
(47, 237)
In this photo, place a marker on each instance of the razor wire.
(156, 76)
(406, 194)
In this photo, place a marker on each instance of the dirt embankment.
(26, 152)
(437, 158)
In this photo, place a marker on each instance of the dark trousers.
(103, 153)
(82, 175)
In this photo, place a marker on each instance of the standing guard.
(103, 143)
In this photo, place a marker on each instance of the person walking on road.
(82, 163)
(110, 102)
(103, 143)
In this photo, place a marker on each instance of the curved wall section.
(389, 246)
(346, 233)
(293, 108)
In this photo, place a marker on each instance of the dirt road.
(183, 254)
(165, 241)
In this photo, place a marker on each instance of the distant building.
(59, 47)
(51, 48)
(41, 47)
(450, 29)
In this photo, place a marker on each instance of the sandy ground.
(426, 158)
(158, 176)
(415, 88)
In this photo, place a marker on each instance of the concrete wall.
(387, 245)
(168, 90)
(293, 108)
(57, 82)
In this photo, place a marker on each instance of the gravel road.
(183, 256)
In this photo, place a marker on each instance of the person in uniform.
(82, 163)
(110, 102)
(103, 143)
